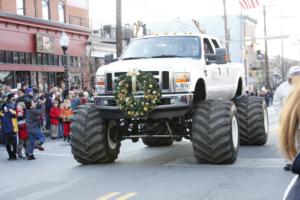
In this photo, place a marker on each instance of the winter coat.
(75, 103)
(48, 104)
(24, 99)
(83, 100)
(293, 190)
(55, 115)
(32, 118)
(6, 122)
(280, 95)
(21, 117)
(66, 114)
(23, 135)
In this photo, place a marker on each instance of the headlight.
(100, 84)
(181, 81)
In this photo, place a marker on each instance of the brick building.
(29, 42)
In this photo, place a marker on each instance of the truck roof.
(177, 34)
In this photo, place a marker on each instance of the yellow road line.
(127, 196)
(108, 196)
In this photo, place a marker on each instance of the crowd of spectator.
(28, 116)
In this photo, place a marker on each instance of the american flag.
(248, 4)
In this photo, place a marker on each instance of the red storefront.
(30, 52)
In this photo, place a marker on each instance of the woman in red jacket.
(54, 120)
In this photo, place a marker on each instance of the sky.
(149, 11)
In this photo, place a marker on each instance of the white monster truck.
(165, 88)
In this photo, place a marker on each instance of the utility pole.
(226, 30)
(119, 27)
(266, 50)
(282, 56)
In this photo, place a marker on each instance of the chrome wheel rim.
(111, 125)
(234, 132)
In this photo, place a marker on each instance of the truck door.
(211, 70)
(224, 72)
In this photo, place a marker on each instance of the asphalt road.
(169, 173)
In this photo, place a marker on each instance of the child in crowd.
(66, 115)
(10, 138)
(74, 100)
(23, 135)
(33, 128)
(54, 120)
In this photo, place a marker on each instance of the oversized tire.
(93, 140)
(253, 120)
(215, 133)
(160, 129)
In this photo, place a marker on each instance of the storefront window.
(28, 58)
(75, 61)
(33, 58)
(22, 58)
(2, 57)
(39, 58)
(6, 78)
(50, 59)
(22, 77)
(75, 80)
(60, 60)
(33, 79)
(9, 57)
(71, 61)
(79, 62)
(45, 59)
(59, 77)
(52, 82)
(15, 57)
(55, 60)
(43, 81)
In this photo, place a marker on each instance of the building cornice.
(45, 24)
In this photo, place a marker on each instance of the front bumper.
(174, 105)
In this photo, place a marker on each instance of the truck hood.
(150, 64)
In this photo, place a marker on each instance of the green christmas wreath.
(125, 89)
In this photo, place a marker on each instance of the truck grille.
(162, 78)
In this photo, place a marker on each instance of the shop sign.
(45, 43)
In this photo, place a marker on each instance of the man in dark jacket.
(48, 106)
(8, 131)
(33, 129)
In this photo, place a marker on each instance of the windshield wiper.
(166, 56)
(132, 58)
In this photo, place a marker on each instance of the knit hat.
(28, 90)
(294, 71)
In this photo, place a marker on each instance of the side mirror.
(109, 58)
(221, 56)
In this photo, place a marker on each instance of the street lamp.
(64, 43)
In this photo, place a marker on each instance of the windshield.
(163, 47)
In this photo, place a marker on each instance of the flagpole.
(243, 47)
(226, 30)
